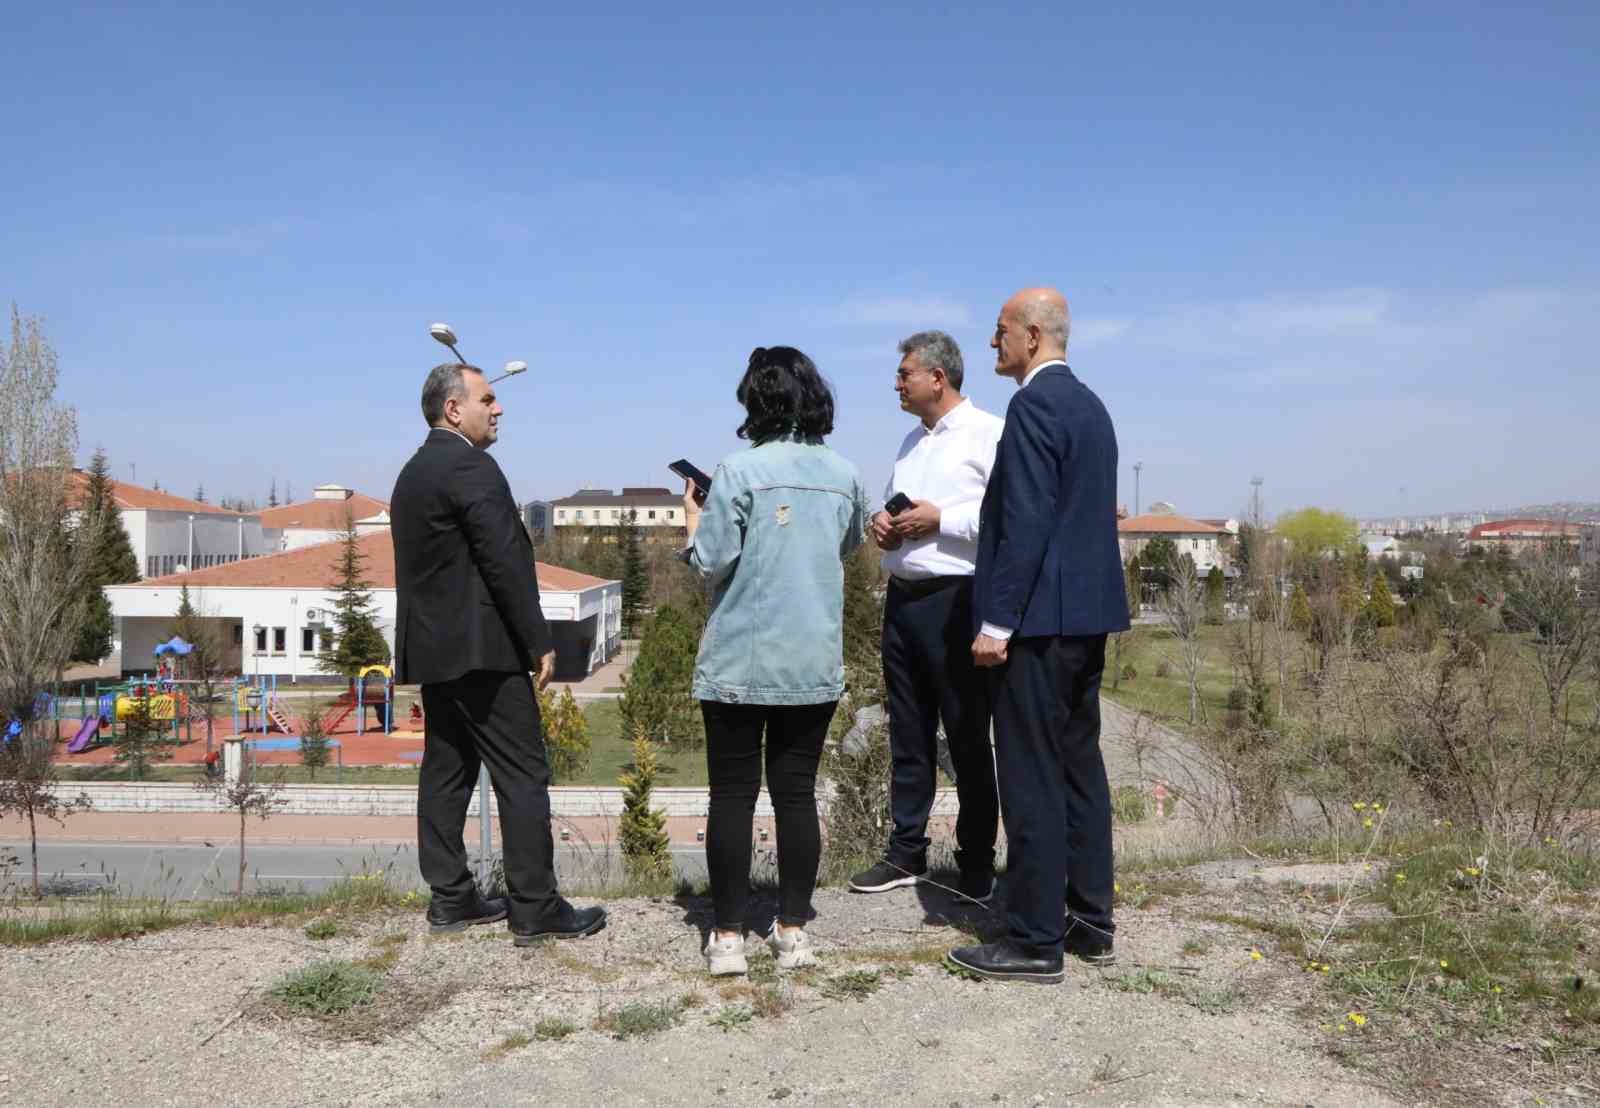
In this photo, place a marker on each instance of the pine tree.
(1134, 584)
(1380, 605)
(635, 581)
(657, 696)
(112, 561)
(1216, 596)
(644, 840)
(1300, 609)
(205, 662)
(566, 735)
(1160, 557)
(314, 749)
(272, 494)
(357, 642)
(200, 493)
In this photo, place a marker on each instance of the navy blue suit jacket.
(1048, 561)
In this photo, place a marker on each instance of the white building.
(170, 533)
(1201, 541)
(653, 508)
(274, 613)
(323, 517)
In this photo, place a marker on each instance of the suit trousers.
(928, 675)
(490, 719)
(1054, 797)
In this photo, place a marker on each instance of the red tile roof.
(136, 497)
(1522, 528)
(322, 515)
(317, 567)
(1149, 524)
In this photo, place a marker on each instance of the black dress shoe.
(566, 923)
(1003, 962)
(1089, 944)
(443, 921)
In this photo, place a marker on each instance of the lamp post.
(256, 632)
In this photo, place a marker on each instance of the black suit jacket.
(1048, 560)
(468, 597)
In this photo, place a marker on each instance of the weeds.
(326, 988)
(512, 1042)
(733, 1017)
(323, 928)
(553, 1029)
(640, 1019)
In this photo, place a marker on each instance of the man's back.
(468, 598)
(1048, 560)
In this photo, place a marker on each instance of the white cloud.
(1095, 332)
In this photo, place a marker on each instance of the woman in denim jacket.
(770, 541)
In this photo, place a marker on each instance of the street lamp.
(444, 333)
(511, 370)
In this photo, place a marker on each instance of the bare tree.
(1183, 603)
(46, 555)
(248, 796)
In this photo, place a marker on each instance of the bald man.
(1047, 590)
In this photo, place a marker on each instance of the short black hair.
(783, 393)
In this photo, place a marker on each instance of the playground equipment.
(372, 688)
(256, 706)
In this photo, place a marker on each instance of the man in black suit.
(469, 630)
(1047, 590)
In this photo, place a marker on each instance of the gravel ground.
(178, 1018)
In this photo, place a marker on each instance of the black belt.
(926, 586)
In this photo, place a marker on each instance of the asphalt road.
(191, 871)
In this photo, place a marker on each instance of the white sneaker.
(725, 957)
(792, 949)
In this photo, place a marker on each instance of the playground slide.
(279, 720)
(86, 733)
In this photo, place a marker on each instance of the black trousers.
(928, 675)
(1053, 790)
(794, 736)
(492, 718)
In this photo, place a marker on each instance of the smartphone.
(897, 503)
(702, 483)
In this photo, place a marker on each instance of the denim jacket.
(776, 527)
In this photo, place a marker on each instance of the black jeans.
(794, 736)
(928, 675)
(1053, 788)
(491, 718)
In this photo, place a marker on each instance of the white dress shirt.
(947, 465)
(988, 628)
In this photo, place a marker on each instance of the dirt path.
(135, 1016)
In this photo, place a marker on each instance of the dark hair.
(783, 393)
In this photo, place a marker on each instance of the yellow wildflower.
(1367, 823)
(1255, 955)
(1473, 871)
(1115, 887)
(1376, 806)
(1357, 1019)
(1399, 879)
(1359, 806)
(1444, 963)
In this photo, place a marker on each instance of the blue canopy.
(174, 645)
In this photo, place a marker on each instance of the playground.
(365, 724)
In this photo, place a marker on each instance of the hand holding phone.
(897, 503)
(689, 472)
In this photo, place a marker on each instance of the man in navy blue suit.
(1047, 591)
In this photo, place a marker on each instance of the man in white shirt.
(930, 549)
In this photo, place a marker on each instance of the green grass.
(1145, 647)
(323, 928)
(639, 1020)
(107, 917)
(553, 1029)
(512, 1042)
(733, 1017)
(855, 985)
(326, 988)
(610, 753)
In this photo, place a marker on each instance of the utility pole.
(1255, 502)
(1137, 468)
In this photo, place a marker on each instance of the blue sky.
(1348, 248)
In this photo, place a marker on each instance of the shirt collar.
(949, 419)
(1034, 372)
(457, 434)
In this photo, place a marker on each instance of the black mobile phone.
(702, 483)
(897, 503)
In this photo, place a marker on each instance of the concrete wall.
(401, 800)
(165, 535)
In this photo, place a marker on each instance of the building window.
(308, 641)
(579, 515)
(280, 639)
(561, 515)
(671, 515)
(615, 514)
(150, 565)
(651, 514)
(261, 640)
(238, 634)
